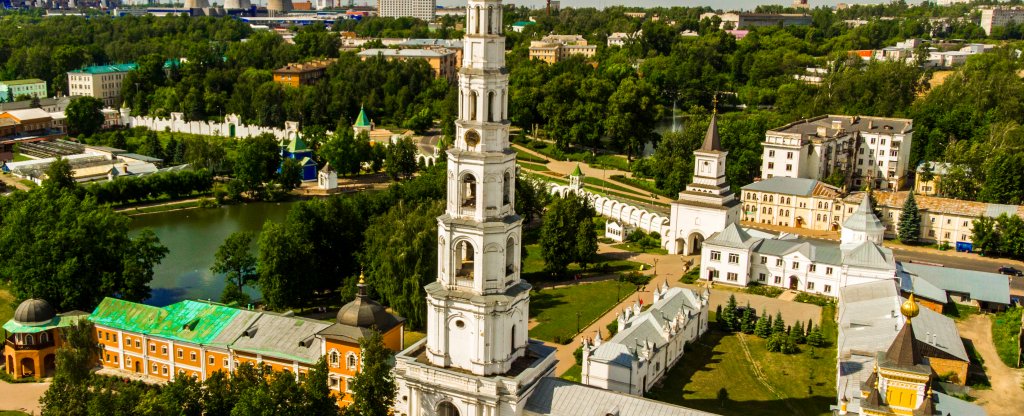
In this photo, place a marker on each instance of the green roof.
(23, 81)
(297, 145)
(362, 120)
(523, 23)
(188, 321)
(577, 171)
(106, 69)
(58, 321)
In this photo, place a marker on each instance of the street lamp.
(577, 322)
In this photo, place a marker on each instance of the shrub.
(763, 290)
(613, 328)
(691, 276)
(813, 299)
(578, 355)
(635, 277)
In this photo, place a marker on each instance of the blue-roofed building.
(648, 344)
(297, 149)
(937, 286)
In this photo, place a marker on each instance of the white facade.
(478, 309)
(420, 9)
(707, 205)
(648, 343)
(103, 82)
(1000, 16)
(874, 149)
(736, 257)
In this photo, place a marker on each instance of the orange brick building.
(302, 74)
(33, 336)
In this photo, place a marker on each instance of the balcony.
(34, 346)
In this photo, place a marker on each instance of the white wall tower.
(477, 358)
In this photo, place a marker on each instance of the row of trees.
(249, 390)
(567, 234)
(175, 184)
(780, 338)
(1003, 235)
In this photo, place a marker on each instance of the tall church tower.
(476, 358)
(708, 204)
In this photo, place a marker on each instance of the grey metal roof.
(987, 287)
(816, 251)
(280, 336)
(995, 210)
(783, 185)
(868, 254)
(952, 406)
(411, 53)
(143, 158)
(235, 328)
(647, 326)
(732, 236)
(557, 397)
(864, 218)
(921, 288)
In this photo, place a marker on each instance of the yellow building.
(33, 336)
(793, 202)
(930, 187)
(555, 48)
(302, 74)
(443, 62)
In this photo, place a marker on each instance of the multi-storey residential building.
(17, 88)
(943, 220)
(554, 48)
(930, 187)
(306, 73)
(865, 150)
(648, 343)
(733, 20)
(793, 202)
(442, 61)
(101, 81)
(443, 45)
(420, 9)
(993, 17)
(740, 257)
(201, 338)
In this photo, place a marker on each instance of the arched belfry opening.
(506, 189)
(464, 255)
(468, 191)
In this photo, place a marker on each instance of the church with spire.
(708, 204)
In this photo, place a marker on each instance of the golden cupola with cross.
(901, 381)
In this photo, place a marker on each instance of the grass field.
(18, 157)
(959, 312)
(533, 166)
(1006, 333)
(613, 186)
(533, 266)
(637, 249)
(647, 185)
(6, 303)
(12, 413)
(556, 309)
(733, 374)
(412, 337)
(573, 374)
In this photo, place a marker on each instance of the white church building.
(477, 358)
(648, 343)
(708, 204)
(740, 257)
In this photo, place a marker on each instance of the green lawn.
(533, 166)
(18, 157)
(959, 312)
(613, 186)
(6, 303)
(12, 413)
(573, 374)
(637, 249)
(412, 337)
(1006, 333)
(556, 309)
(716, 375)
(533, 266)
(527, 157)
(647, 185)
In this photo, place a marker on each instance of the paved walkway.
(22, 396)
(1005, 397)
(671, 268)
(12, 182)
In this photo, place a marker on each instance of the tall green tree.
(290, 176)
(59, 175)
(236, 260)
(401, 159)
(586, 242)
(84, 115)
(559, 232)
(909, 229)
(283, 267)
(257, 163)
(373, 387)
(68, 394)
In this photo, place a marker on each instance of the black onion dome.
(34, 312)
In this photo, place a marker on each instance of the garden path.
(1005, 396)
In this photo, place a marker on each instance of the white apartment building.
(793, 202)
(420, 9)
(999, 16)
(875, 149)
(100, 81)
(738, 257)
(648, 344)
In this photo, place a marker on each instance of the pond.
(192, 237)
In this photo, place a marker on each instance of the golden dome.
(910, 308)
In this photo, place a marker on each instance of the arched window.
(490, 23)
(43, 338)
(472, 105)
(510, 256)
(491, 105)
(351, 361)
(506, 189)
(335, 358)
(447, 409)
(464, 254)
(468, 190)
(29, 340)
(512, 340)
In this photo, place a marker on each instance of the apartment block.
(1000, 16)
(442, 61)
(555, 48)
(306, 73)
(420, 9)
(16, 88)
(100, 81)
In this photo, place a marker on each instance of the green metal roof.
(577, 171)
(106, 69)
(297, 145)
(188, 321)
(23, 81)
(523, 23)
(362, 120)
(58, 321)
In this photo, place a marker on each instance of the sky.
(717, 4)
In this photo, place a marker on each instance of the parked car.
(1007, 270)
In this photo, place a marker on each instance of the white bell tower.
(478, 308)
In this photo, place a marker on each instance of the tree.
(586, 242)
(531, 198)
(797, 333)
(69, 393)
(729, 315)
(909, 229)
(986, 237)
(815, 339)
(316, 392)
(632, 110)
(290, 176)
(747, 326)
(151, 146)
(373, 387)
(59, 175)
(69, 250)
(283, 266)
(927, 173)
(778, 325)
(401, 159)
(763, 326)
(235, 259)
(257, 163)
(559, 232)
(84, 115)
